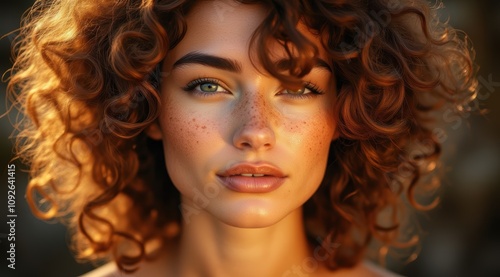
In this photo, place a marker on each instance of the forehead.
(226, 27)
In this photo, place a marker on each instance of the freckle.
(194, 119)
(203, 127)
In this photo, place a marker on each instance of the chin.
(250, 213)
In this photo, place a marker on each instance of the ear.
(154, 131)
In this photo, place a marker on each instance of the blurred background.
(462, 235)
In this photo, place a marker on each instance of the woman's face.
(222, 117)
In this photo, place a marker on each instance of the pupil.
(208, 87)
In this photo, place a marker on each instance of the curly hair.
(86, 74)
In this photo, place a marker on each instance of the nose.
(254, 130)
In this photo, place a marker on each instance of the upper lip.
(252, 168)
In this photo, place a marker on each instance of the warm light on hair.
(86, 75)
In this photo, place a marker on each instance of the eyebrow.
(209, 60)
(230, 64)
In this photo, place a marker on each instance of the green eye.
(205, 87)
(209, 87)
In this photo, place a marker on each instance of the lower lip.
(252, 184)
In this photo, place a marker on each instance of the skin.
(254, 121)
(251, 117)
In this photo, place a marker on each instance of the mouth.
(252, 170)
(252, 178)
(251, 175)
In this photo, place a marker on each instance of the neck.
(209, 247)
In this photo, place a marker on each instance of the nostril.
(246, 144)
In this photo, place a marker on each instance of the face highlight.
(219, 110)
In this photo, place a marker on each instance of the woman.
(235, 138)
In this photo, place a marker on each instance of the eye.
(205, 86)
(208, 87)
(301, 91)
(309, 90)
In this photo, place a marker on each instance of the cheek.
(188, 140)
(180, 136)
(309, 146)
(185, 132)
(312, 135)
(177, 134)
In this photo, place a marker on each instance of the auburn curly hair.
(86, 75)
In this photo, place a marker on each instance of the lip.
(232, 179)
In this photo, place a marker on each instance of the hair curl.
(86, 74)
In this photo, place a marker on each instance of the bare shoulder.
(156, 267)
(108, 270)
(147, 269)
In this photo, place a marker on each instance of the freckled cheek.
(319, 142)
(311, 136)
(185, 132)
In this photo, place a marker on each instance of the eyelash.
(315, 91)
(190, 87)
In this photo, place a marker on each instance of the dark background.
(462, 235)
